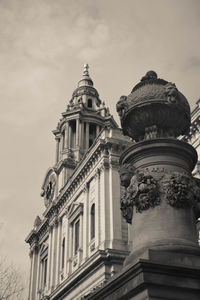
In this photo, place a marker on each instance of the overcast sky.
(43, 46)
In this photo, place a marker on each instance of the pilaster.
(67, 135)
(58, 252)
(85, 222)
(49, 258)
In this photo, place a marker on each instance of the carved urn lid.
(155, 108)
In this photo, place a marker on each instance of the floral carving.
(126, 173)
(182, 191)
(140, 189)
(148, 191)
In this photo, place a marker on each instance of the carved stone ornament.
(154, 109)
(139, 189)
(182, 191)
(49, 190)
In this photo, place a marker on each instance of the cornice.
(95, 261)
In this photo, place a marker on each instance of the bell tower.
(85, 116)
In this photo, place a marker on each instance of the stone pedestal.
(157, 275)
(162, 226)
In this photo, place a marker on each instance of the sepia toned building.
(82, 239)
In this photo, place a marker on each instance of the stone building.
(82, 240)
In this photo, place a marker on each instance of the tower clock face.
(49, 190)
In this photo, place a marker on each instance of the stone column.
(87, 136)
(53, 256)
(67, 135)
(30, 276)
(49, 257)
(104, 209)
(85, 222)
(82, 135)
(77, 132)
(70, 245)
(58, 253)
(114, 201)
(57, 149)
(97, 130)
(66, 245)
(33, 290)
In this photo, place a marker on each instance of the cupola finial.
(85, 70)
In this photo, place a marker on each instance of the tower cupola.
(85, 116)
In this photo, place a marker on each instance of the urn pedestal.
(166, 224)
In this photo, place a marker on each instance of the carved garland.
(141, 189)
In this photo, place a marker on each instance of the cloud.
(89, 38)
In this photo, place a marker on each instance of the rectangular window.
(76, 234)
(44, 271)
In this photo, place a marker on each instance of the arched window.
(92, 216)
(89, 103)
(63, 253)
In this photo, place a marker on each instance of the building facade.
(82, 239)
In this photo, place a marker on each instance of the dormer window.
(89, 102)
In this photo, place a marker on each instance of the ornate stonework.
(142, 190)
(154, 106)
(48, 190)
(181, 190)
(139, 189)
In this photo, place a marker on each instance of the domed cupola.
(85, 93)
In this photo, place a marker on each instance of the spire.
(85, 70)
(85, 80)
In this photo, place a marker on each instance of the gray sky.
(43, 46)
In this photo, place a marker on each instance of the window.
(89, 102)
(92, 134)
(44, 272)
(72, 125)
(76, 236)
(63, 253)
(92, 224)
(63, 140)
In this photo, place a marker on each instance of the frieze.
(143, 190)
